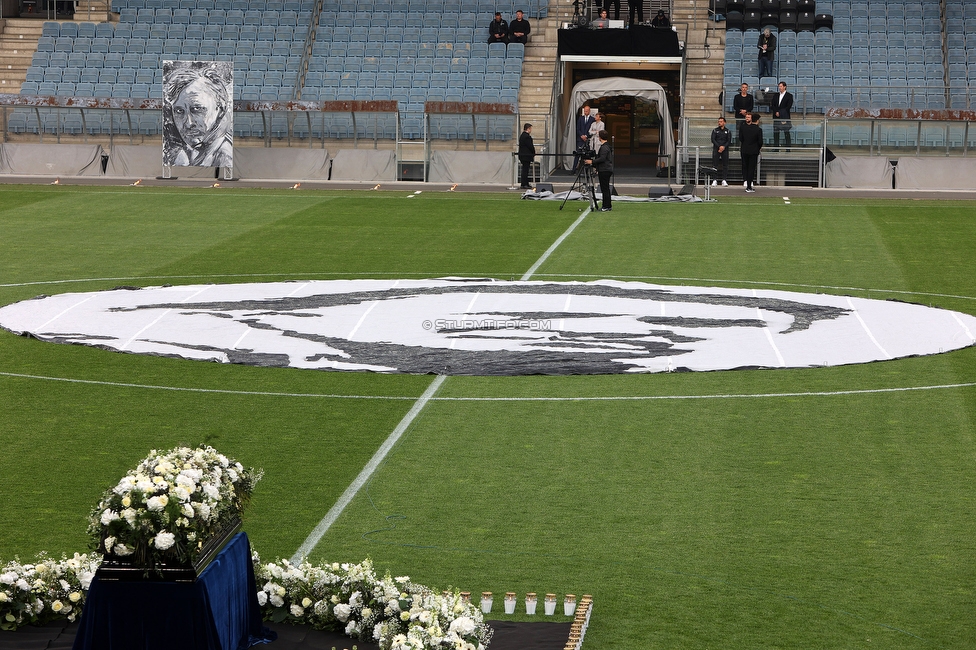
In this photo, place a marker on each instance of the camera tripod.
(584, 183)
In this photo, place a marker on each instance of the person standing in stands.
(583, 123)
(498, 30)
(661, 19)
(603, 163)
(767, 49)
(595, 129)
(781, 106)
(751, 141)
(519, 29)
(526, 155)
(638, 6)
(721, 139)
(742, 105)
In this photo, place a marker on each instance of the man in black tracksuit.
(721, 139)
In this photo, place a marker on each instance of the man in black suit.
(742, 104)
(780, 107)
(526, 154)
(751, 141)
(603, 163)
(583, 124)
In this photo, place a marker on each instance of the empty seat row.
(215, 17)
(226, 5)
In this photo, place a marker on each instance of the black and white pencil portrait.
(198, 113)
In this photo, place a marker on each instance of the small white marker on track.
(786, 200)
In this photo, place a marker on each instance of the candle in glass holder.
(510, 600)
(486, 601)
(569, 605)
(530, 602)
(550, 604)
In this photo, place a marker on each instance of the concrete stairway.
(538, 69)
(705, 58)
(18, 42)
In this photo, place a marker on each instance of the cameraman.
(603, 162)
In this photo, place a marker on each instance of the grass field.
(777, 508)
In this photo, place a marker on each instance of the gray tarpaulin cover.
(936, 174)
(476, 326)
(364, 165)
(472, 167)
(862, 172)
(591, 89)
(146, 161)
(51, 159)
(281, 163)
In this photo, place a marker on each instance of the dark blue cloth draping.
(219, 611)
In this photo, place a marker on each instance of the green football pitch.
(827, 507)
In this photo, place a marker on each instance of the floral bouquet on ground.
(33, 594)
(394, 612)
(164, 510)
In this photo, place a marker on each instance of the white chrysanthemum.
(262, 598)
(109, 516)
(276, 600)
(211, 491)
(164, 540)
(8, 578)
(352, 629)
(188, 511)
(356, 599)
(181, 493)
(129, 514)
(22, 584)
(297, 611)
(122, 550)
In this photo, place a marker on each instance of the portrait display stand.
(219, 611)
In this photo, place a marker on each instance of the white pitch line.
(868, 331)
(555, 245)
(336, 510)
(963, 326)
(330, 517)
(403, 398)
(41, 328)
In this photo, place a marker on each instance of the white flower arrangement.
(396, 613)
(169, 505)
(48, 589)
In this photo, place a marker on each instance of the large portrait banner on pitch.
(198, 113)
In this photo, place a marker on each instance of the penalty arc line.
(364, 476)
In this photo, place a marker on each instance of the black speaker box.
(544, 187)
(657, 191)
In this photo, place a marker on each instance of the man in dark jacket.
(498, 30)
(751, 142)
(603, 163)
(519, 29)
(742, 104)
(721, 139)
(526, 154)
(780, 107)
(767, 49)
(583, 123)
